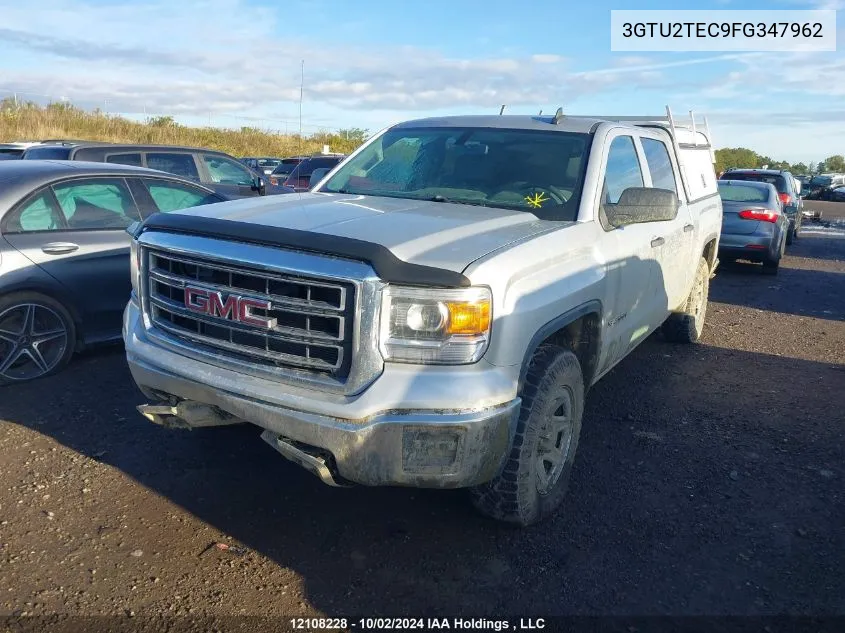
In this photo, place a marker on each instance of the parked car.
(822, 186)
(12, 151)
(789, 195)
(838, 194)
(434, 313)
(300, 178)
(64, 254)
(754, 226)
(217, 170)
(283, 169)
(264, 165)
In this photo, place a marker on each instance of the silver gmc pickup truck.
(433, 312)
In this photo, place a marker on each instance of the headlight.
(435, 326)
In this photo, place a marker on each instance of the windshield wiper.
(474, 203)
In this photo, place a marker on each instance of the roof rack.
(668, 121)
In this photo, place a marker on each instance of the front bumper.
(398, 445)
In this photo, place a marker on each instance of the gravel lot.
(709, 480)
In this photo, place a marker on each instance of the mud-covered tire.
(535, 477)
(52, 331)
(687, 324)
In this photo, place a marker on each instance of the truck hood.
(442, 235)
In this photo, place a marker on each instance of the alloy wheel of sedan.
(33, 341)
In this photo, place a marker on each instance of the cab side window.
(623, 169)
(659, 164)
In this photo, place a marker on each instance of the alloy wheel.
(33, 341)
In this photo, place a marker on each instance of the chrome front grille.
(313, 325)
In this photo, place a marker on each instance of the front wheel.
(687, 324)
(535, 477)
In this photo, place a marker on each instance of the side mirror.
(317, 175)
(643, 204)
(259, 185)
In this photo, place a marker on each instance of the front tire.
(687, 324)
(535, 477)
(37, 337)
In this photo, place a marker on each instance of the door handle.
(688, 227)
(59, 248)
(657, 241)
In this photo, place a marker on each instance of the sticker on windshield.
(536, 200)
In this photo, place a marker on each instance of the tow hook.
(307, 457)
(186, 415)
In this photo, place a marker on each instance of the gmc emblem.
(234, 308)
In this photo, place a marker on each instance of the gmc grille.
(313, 318)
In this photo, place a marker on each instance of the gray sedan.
(754, 226)
(64, 254)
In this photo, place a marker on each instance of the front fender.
(539, 283)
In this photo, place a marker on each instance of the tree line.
(742, 157)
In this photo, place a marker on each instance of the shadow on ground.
(696, 491)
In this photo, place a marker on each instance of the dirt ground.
(709, 480)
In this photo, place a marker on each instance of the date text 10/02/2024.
(419, 624)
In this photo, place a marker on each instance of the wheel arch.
(579, 330)
(54, 292)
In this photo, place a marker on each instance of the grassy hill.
(31, 122)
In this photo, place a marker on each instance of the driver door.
(630, 265)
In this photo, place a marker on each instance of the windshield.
(528, 170)
(285, 166)
(268, 162)
(743, 193)
(47, 153)
(824, 181)
(778, 181)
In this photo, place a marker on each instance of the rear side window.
(96, 203)
(38, 214)
(125, 159)
(47, 153)
(623, 169)
(172, 196)
(659, 164)
(179, 164)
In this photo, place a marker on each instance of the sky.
(372, 63)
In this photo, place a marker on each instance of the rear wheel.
(687, 324)
(771, 266)
(535, 477)
(37, 337)
(790, 233)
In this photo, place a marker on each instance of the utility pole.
(301, 86)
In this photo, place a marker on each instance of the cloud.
(197, 58)
(545, 58)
